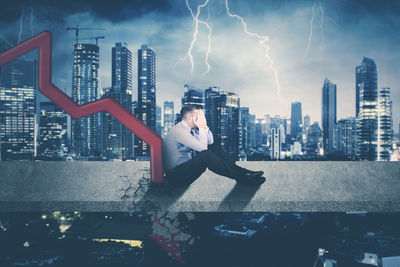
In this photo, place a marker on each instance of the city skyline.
(222, 109)
(233, 73)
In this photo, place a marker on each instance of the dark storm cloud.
(113, 10)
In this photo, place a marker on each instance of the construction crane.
(94, 38)
(77, 29)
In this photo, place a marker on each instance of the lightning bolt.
(263, 42)
(5, 40)
(31, 21)
(198, 21)
(311, 31)
(31, 17)
(322, 15)
(208, 48)
(20, 26)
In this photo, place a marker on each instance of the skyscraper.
(158, 120)
(286, 129)
(244, 130)
(52, 132)
(17, 110)
(85, 83)
(222, 113)
(251, 132)
(313, 140)
(346, 137)
(367, 105)
(296, 121)
(213, 112)
(277, 122)
(146, 107)
(193, 96)
(121, 67)
(306, 125)
(117, 139)
(366, 81)
(385, 124)
(230, 105)
(260, 134)
(169, 117)
(275, 142)
(134, 112)
(328, 116)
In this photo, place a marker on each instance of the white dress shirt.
(179, 144)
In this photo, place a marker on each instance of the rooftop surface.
(124, 186)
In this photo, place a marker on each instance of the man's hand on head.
(200, 119)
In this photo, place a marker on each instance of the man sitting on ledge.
(188, 152)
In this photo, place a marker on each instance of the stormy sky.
(306, 41)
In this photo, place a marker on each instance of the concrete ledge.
(124, 186)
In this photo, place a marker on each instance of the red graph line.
(42, 41)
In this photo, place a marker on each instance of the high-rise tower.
(17, 110)
(296, 122)
(117, 139)
(367, 105)
(85, 82)
(146, 101)
(328, 116)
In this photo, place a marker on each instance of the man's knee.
(205, 153)
(206, 156)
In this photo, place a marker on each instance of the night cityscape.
(354, 119)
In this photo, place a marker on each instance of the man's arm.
(201, 142)
(198, 144)
(210, 137)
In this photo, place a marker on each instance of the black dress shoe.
(246, 171)
(250, 179)
(256, 173)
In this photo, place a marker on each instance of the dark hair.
(188, 108)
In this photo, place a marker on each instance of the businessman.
(189, 149)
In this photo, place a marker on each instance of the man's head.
(189, 114)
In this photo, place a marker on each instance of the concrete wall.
(124, 186)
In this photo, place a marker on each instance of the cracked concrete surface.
(125, 186)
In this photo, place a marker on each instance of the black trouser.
(214, 158)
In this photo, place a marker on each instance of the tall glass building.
(230, 106)
(385, 124)
(367, 105)
(193, 96)
(52, 132)
(346, 138)
(117, 139)
(296, 122)
(260, 132)
(306, 123)
(212, 112)
(158, 120)
(251, 132)
(169, 117)
(223, 118)
(85, 82)
(275, 142)
(146, 101)
(313, 140)
(244, 130)
(17, 110)
(328, 116)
